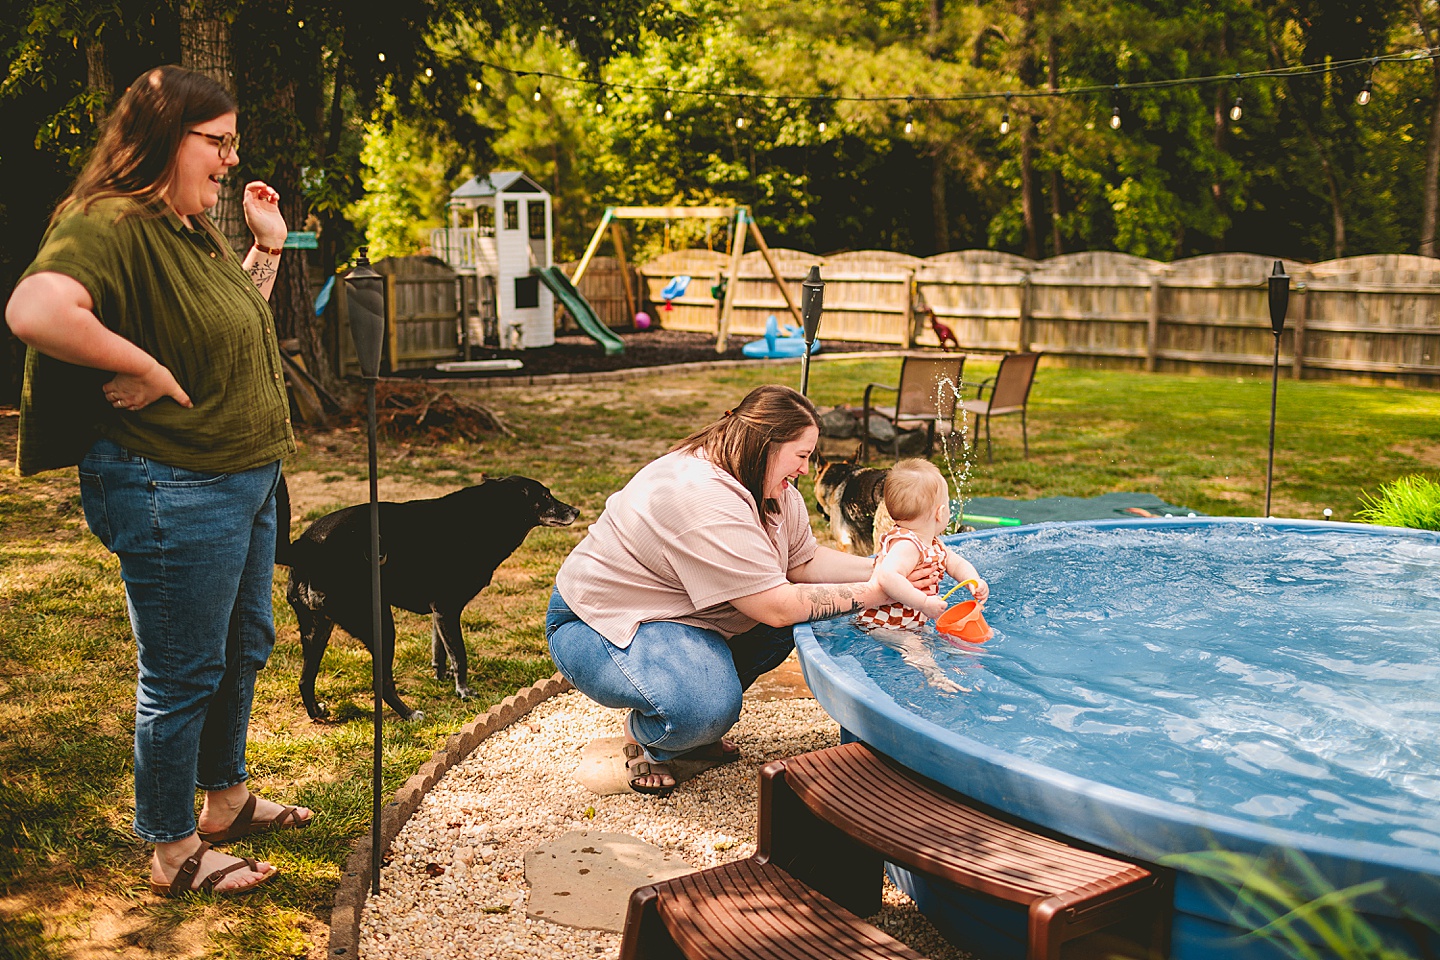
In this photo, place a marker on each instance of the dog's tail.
(283, 548)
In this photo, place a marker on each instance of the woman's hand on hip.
(262, 214)
(136, 391)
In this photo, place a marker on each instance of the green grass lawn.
(72, 873)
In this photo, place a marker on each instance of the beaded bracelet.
(273, 251)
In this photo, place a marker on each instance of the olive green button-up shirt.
(182, 296)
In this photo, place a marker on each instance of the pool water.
(1234, 669)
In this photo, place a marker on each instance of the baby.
(918, 500)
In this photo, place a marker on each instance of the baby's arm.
(893, 574)
(962, 569)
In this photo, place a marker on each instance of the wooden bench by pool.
(828, 822)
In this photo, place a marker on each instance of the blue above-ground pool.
(1164, 687)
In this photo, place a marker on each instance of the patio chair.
(927, 393)
(1009, 394)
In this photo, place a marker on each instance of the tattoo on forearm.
(829, 600)
(262, 272)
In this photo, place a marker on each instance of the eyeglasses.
(227, 143)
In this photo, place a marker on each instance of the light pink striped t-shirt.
(680, 541)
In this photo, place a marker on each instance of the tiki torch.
(1279, 302)
(812, 301)
(365, 295)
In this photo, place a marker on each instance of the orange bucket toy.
(965, 620)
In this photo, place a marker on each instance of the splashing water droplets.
(948, 393)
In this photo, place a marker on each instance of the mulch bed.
(577, 353)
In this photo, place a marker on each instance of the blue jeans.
(197, 554)
(682, 684)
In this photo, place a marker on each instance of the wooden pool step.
(831, 818)
(748, 910)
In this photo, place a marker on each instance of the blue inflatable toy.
(790, 344)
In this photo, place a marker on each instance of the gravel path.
(455, 886)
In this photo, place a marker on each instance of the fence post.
(1302, 312)
(1022, 344)
(1152, 331)
(908, 340)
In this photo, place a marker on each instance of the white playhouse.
(500, 230)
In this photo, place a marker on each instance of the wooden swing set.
(742, 219)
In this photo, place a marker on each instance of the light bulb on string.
(1236, 112)
(300, 24)
(1005, 117)
(909, 115)
(381, 56)
(429, 73)
(479, 87)
(1115, 119)
(820, 126)
(669, 114)
(1363, 97)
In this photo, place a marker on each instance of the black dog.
(850, 495)
(436, 555)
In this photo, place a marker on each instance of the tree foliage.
(433, 91)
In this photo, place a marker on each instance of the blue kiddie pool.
(775, 344)
(1176, 691)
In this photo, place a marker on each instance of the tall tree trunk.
(1052, 79)
(1431, 202)
(205, 47)
(1032, 201)
(938, 206)
(97, 72)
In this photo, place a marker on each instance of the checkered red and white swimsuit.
(896, 615)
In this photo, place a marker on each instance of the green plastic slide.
(580, 309)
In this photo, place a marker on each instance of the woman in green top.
(153, 363)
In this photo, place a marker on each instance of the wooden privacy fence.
(1375, 317)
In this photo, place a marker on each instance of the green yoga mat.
(985, 512)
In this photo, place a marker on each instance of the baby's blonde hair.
(912, 487)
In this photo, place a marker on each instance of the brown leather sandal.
(245, 824)
(640, 766)
(183, 884)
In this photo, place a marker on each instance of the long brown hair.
(739, 442)
(136, 152)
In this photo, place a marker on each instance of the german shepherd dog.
(436, 556)
(850, 495)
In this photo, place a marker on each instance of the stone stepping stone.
(584, 878)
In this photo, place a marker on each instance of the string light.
(600, 99)
(381, 56)
(429, 73)
(479, 87)
(300, 24)
(740, 123)
(1363, 96)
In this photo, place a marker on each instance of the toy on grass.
(789, 344)
(964, 620)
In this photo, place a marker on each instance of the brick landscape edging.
(355, 878)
